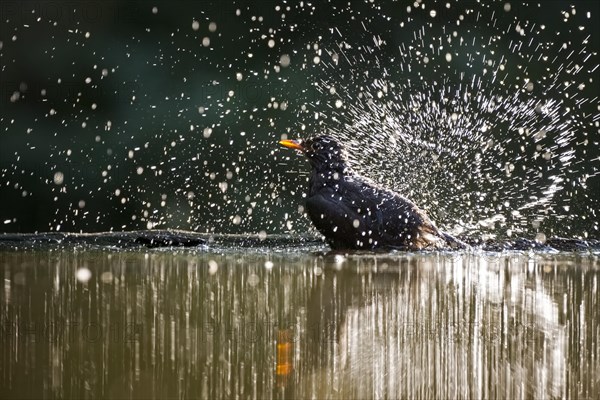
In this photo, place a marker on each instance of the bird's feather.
(355, 213)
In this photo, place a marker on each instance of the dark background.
(171, 132)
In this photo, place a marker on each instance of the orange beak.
(292, 144)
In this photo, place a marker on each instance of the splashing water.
(480, 160)
(486, 114)
(498, 141)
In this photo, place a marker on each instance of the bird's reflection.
(404, 325)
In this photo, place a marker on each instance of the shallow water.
(301, 323)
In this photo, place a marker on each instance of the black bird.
(354, 213)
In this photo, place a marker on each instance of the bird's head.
(323, 152)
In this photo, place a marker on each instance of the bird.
(354, 213)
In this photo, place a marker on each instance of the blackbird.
(353, 212)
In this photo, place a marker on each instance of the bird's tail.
(453, 242)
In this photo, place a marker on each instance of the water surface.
(80, 322)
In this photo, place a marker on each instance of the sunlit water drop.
(83, 275)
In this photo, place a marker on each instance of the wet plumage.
(354, 213)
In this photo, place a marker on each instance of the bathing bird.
(354, 213)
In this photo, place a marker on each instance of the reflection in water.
(268, 324)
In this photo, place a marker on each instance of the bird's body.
(354, 213)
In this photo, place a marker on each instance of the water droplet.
(58, 178)
(213, 267)
(529, 86)
(83, 275)
(540, 237)
(284, 60)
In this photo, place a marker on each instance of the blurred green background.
(134, 114)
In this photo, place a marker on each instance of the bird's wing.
(330, 212)
(409, 221)
(397, 218)
(357, 213)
